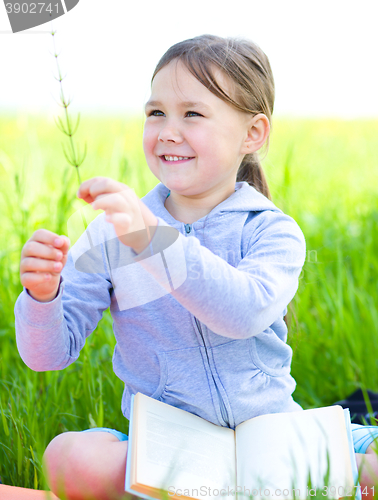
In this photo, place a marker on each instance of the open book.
(269, 456)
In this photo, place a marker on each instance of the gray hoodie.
(198, 322)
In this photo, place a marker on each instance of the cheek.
(149, 140)
(202, 142)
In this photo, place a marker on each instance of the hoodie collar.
(245, 199)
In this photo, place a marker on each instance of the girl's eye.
(155, 111)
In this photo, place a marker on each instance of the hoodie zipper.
(188, 229)
(221, 402)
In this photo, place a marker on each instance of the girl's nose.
(170, 133)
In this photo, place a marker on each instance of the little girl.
(199, 315)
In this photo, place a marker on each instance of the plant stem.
(73, 160)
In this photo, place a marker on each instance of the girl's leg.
(86, 465)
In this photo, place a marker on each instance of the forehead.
(175, 78)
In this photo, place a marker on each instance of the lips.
(175, 162)
(175, 157)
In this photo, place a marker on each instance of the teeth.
(176, 158)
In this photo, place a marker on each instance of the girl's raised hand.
(128, 214)
(42, 261)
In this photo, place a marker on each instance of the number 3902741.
(31, 8)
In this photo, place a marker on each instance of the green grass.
(321, 172)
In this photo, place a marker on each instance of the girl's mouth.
(176, 159)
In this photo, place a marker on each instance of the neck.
(189, 210)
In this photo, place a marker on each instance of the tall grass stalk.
(73, 159)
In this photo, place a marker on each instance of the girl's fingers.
(36, 249)
(89, 190)
(66, 244)
(83, 191)
(43, 258)
(114, 198)
(114, 202)
(33, 275)
(34, 265)
(42, 241)
(30, 280)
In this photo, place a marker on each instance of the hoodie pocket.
(184, 382)
(248, 382)
(270, 353)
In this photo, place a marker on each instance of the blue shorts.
(363, 435)
(120, 435)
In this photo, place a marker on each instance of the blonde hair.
(247, 66)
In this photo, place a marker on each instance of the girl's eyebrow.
(186, 104)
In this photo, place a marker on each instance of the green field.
(323, 173)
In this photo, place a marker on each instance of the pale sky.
(323, 53)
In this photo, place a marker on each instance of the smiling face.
(185, 119)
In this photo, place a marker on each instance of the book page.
(276, 452)
(181, 452)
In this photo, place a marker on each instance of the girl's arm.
(51, 334)
(234, 302)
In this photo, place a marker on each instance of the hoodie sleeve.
(233, 302)
(50, 335)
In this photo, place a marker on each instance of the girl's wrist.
(150, 231)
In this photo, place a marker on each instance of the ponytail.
(251, 171)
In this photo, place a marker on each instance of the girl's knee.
(59, 447)
(80, 462)
(58, 454)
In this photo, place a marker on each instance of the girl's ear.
(257, 133)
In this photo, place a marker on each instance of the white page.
(265, 449)
(180, 451)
